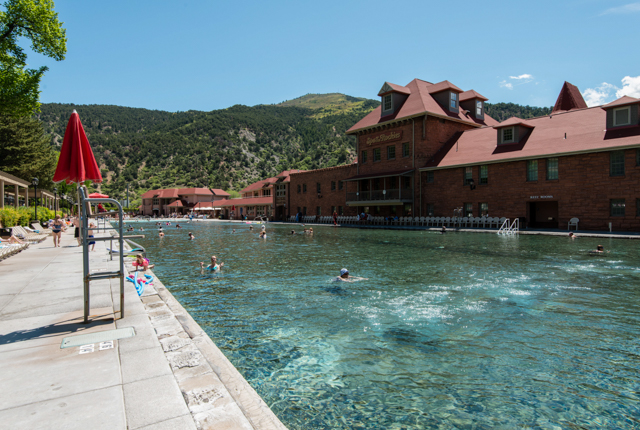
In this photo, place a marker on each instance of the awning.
(380, 175)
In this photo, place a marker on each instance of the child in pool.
(214, 264)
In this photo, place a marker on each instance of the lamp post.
(55, 201)
(35, 181)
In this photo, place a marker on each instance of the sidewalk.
(128, 383)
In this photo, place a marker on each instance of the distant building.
(267, 198)
(182, 201)
(431, 150)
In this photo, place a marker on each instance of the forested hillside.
(227, 148)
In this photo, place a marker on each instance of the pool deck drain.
(60, 373)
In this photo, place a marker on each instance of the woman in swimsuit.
(56, 227)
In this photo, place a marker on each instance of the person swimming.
(191, 236)
(346, 277)
(233, 231)
(599, 250)
(214, 264)
(263, 234)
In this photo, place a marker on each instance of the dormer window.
(508, 135)
(622, 116)
(454, 100)
(478, 109)
(387, 102)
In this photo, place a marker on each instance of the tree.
(25, 150)
(36, 21)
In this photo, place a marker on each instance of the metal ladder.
(85, 203)
(509, 227)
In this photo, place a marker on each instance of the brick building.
(430, 150)
(168, 201)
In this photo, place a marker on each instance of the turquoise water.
(455, 331)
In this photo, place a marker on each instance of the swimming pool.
(460, 330)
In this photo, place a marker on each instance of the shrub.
(9, 217)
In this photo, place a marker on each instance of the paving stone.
(184, 422)
(143, 364)
(143, 408)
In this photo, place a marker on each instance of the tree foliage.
(504, 111)
(36, 21)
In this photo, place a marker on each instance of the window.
(255, 194)
(532, 170)
(299, 189)
(478, 108)
(391, 183)
(299, 211)
(622, 116)
(333, 209)
(318, 187)
(318, 211)
(454, 100)
(376, 154)
(156, 201)
(430, 177)
(387, 101)
(468, 209)
(616, 163)
(333, 185)
(281, 190)
(406, 151)
(552, 169)
(507, 135)
(260, 210)
(391, 152)
(484, 174)
(304, 188)
(637, 207)
(484, 209)
(468, 175)
(430, 209)
(266, 192)
(364, 157)
(304, 210)
(340, 185)
(617, 207)
(406, 182)
(340, 210)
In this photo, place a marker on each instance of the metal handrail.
(85, 203)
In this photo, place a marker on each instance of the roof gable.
(471, 94)
(569, 98)
(443, 86)
(389, 87)
(622, 101)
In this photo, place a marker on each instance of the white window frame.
(615, 111)
(387, 98)
(478, 108)
(454, 100)
(513, 134)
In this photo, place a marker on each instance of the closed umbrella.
(76, 163)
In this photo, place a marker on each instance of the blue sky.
(206, 55)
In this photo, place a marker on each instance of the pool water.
(453, 331)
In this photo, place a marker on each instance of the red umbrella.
(98, 196)
(76, 163)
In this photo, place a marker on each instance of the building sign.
(540, 197)
(385, 137)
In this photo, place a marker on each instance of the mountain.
(226, 148)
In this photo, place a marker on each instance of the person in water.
(214, 264)
(572, 236)
(344, 276)
(161, 234)
(599, 250)
(444, 230)
(233, 231)
(263, 234)
(191, 236)
(293, 232)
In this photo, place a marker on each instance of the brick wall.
(329, 198)
(583, 190)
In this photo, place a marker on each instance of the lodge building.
(431, 150)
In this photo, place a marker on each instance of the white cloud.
(523, 76)
(628, 8)
(630, 87)
(507, 85)
(605, 92)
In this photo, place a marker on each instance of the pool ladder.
(509, 227)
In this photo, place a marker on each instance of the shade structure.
(98, 196)
(76, 163)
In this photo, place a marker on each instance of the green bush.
(9, 217)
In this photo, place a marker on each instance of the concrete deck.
(170, 375)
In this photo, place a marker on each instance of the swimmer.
(161, 234)
(310, 230)
(263, 234)
(444, 230)
(191, 236)
(305, 231)
(178, 226)
(233, 231)
(599, 250)
(141, 229)
(250, 227)
(293, 232)
(263, 227)
(345, 277)
(214, 264)
(572, 236)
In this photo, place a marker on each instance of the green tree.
(34, 20)
(25, 150)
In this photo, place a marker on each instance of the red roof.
(471, 94)
(196, 191)
(394, 88)
(418, 103)
(219, 192)
(443, 86)
(514, 120)
(622, 101)
(259, 185)
(584, 130)
(286, 175)
(169, 193)
(177, 203)
(569, 98)
(255, 201)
